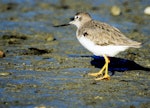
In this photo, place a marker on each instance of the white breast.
(109, 50)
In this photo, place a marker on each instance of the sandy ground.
(46, 67)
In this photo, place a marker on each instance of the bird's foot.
(105, 77)
(95, 74)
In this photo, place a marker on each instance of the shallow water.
(47, 67)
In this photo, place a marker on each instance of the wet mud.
(45, 67)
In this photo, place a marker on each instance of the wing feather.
(104, 34)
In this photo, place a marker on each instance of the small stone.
(50, 37)
(98, 97)
(2, 54)
(5, 73)
(147, 10)
(115, 11)
(42, 106)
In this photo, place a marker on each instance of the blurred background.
(45, 67)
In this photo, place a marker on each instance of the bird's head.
(80, 19)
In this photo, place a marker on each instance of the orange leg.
(105, 67)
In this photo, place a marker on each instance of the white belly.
(109, 50)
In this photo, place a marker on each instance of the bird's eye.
(76, 17)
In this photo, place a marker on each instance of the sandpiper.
(101, 39)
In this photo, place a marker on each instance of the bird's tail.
(136, 44)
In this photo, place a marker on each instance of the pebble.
(50, 37)
(5, 73)
(98, 97)
(41, 106)
(147, 10)
(115, 11)
(2, 54)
